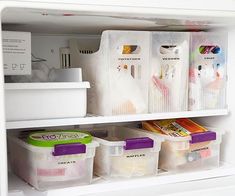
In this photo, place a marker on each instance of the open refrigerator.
(53, 23)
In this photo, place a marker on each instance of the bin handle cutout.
(69, 149)
(169, 49)
(130, 49)
(138, 143)
(209, 49)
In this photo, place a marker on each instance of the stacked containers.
(53, 159)
(207, 76)
(118, 72)
(138, 72)
(187, 145)
(168, 91)
(125, 152)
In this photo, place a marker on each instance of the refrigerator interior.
(53, 25)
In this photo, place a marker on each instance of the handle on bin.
(68, 149)
(203, 137)
(138, 143)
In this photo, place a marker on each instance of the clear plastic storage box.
(207, 78)
(118, 71)
(183, 154)
(168, 91)
(125, 152)
(134, 72)
(189, 153)
(52, 167)
(31, 101)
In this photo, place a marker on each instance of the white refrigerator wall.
(46, 46)
(3, 144)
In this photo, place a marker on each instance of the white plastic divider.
(112, 119)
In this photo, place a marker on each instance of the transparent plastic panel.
(134, 163)
(115, 160)
(169, 72)
(203, 155)
(118, 72)
(38, 167)
(128, 71)
(207, 78)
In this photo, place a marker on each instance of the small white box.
(31, 101)
(16, 52)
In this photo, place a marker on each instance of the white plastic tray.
(32, 101)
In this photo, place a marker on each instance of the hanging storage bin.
(53, 159)
(125, 152)
(118, 71)
(168, 91)
(207, 78)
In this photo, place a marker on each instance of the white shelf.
(94, 17)
(112, 119)
(20, 188)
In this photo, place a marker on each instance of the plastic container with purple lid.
(53, 159)
(125, 152)
(183, 150)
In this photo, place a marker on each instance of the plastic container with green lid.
(54, 158)
(54, 137)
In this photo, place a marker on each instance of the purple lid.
(66, 149)
(138, 143)
(203, 137)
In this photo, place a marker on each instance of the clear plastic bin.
(125, 152)
(168, 91)
(52, 167)
(118, 71)
(207, 78)
(181, 154)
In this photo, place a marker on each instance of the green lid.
(53, 137)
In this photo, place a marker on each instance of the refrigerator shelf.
(90, 119)
(102, 187)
